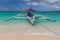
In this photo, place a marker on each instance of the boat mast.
(31, 7)
(31, 4)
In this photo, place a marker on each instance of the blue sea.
(49, 25)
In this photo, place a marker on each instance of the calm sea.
(51, 25)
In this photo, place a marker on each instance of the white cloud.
(56, 6)
(6, 8)
(51, 1)
(45, 4)
(33, 3)
(55, 3)
(26, 0)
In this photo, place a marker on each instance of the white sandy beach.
(27, 37)
(24, 31)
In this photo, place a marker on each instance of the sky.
(21, 5)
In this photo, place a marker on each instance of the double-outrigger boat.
(31, 18)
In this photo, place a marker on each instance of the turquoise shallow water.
(55, 26)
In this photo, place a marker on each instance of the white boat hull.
(31, 19)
